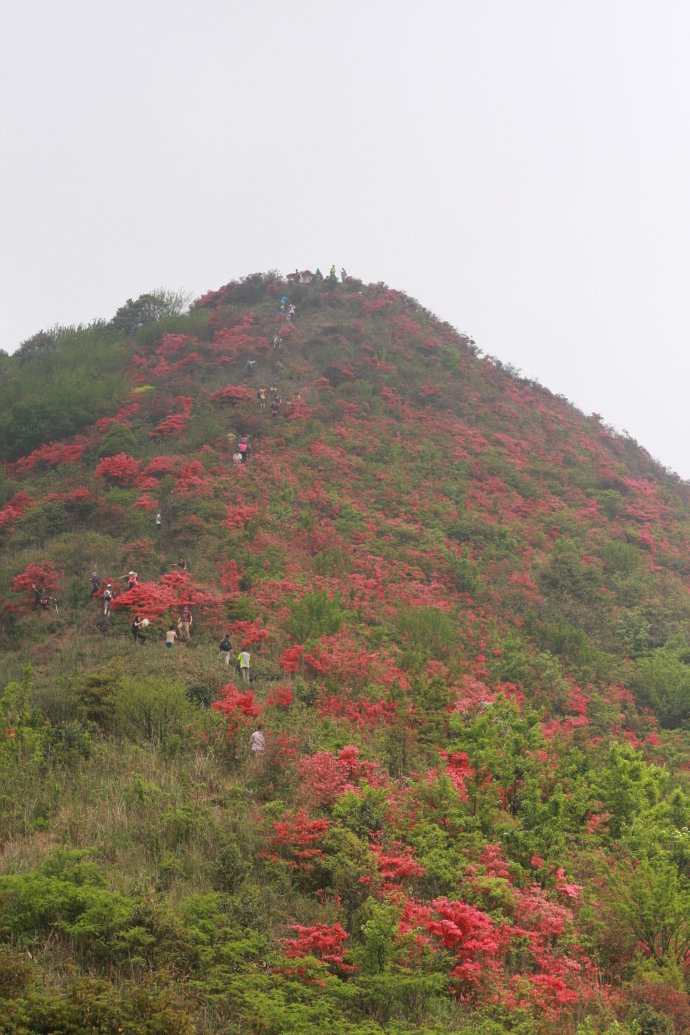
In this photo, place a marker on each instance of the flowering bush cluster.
(467, 607)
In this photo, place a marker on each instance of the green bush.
(152, 710)
(426, 633)
(315, 615)
(118, 439)
(662, 682)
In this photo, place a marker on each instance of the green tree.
(148, 308)
(661, 682)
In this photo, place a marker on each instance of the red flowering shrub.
(160, 465)
(146, 502)
(249, 633)
(297, 410)
(296, 841)
(175, 423)
(50, 455)
(233, 394)
(43, 576)
(147, 484)
(192, 480)
(172, 425)
(121, 417)
(326, 943)
(229, 577)
(170, 344)
(174, 589)
(361, 714)
(238, 514)
(14, 509)
(396, 864)
(233, 701)
(290, 659)
(119, 468)
(280, 697)
(326, 777)
(458, 768)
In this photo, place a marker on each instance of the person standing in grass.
(257, 742)
(244, 661)
(225, 648)
(170, 637)
(185, 623)
(138, 626)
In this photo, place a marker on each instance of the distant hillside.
(466, 606)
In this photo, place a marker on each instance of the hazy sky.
(521, 167)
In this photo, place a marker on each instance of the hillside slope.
(466, 607)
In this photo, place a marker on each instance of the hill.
(466, 607)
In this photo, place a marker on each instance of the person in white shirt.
(257, 744)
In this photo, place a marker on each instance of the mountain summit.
(444, 787)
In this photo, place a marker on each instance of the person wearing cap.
(107, 599)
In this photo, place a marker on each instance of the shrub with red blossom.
(296, 841)
(290, 659)
(174, 589)
(396, 864)
(280, 697)
(324, 942)
(51, 454)
(229, 576)
(120, 468)
(249, 634)
(238, 514)
(297, 410)
(44, 576)
(233, 701)
(171, 344)
(233, 394)
(326, 776)
(160, 465)
(175, 423)
(146, 502)
(192, 480)
(14, 509)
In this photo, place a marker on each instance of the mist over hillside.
(465, 606)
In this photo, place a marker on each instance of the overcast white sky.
(521, 167)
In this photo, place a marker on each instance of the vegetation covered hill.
(466, 606)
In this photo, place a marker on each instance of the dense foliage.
(466, 606)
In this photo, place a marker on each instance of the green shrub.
(662, 682)
(426, 633)
(152, 710)
(315, 615)
(118, 439)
